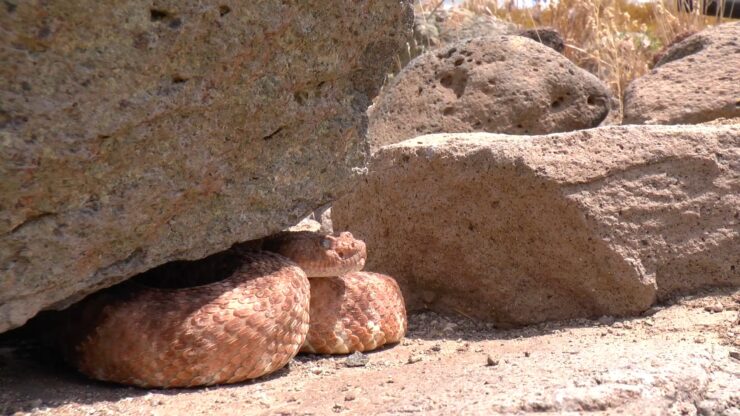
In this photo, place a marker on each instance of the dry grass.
(615, 40)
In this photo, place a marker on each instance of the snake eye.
(326, 243)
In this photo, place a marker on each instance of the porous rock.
(499, 84)
(696, 80)
(442, 26)
(519, 230)
(132, 134)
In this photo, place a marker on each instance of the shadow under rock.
(34, 377)
(433, 326)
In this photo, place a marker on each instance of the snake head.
(321, 255)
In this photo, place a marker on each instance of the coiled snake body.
(236, 315)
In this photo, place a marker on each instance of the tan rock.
(133, 134)
(501, 84)
(696, 80)
(525, 229)
(441, 27)
(723, 121)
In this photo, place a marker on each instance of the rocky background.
(518, 230)
(135, 134)
(142, 133)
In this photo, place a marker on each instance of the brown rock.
(441, 27)
(132, 135)
(503, 84)
(696, 80)
(525, 229)
(460, 24)
(547, 36)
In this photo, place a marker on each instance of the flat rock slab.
(498, 84)
(133, 134)
(518, 230)
(675, 362)
(697, 80)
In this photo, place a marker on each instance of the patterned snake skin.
(235, 315)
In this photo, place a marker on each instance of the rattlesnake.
(242, 314)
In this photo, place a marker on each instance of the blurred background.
(616, 40)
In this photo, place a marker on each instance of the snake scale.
(236, 315)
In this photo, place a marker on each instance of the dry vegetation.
(614, 39)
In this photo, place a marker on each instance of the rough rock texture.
(519, 230)
(132, 134)
(547, 36)
(441, 27)
(460, 24)
(696, 80)
(723, 121)
(500, 84)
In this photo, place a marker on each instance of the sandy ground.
(682, 358)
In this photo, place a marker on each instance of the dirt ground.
(681, 358)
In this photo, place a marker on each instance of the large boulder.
(440, 27)
(499, 84)
(519, 230)
(696, 80)
(132, 134)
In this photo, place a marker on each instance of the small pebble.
(316, 370)
(414, 359)
(652, 311)
(436, 347)
(349, 397)
(699, 340)
(356, 359)
(715, 308)
(490, 362)
(735, 355)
